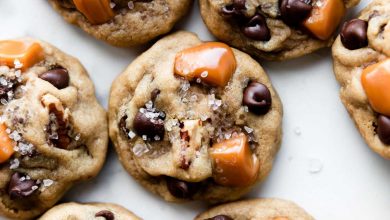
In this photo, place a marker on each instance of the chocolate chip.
(146, 123)
(258, 98)
(384, 129)
(20, 187)
(181, 189)
(220, 217)
(122, 125)
(58, 129)
(108, 215)
(354, 34)
(154, 94)
(293, 12)
(236, 9)
(257, 29)
(58, 77)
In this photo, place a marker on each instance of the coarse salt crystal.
(14, 163)
(47, 182)
(112, 4)
(246, 109)
(34, 188)
(18, 64)
(157, 138)
(248, 129)
(140, 149)
(144, 137)
(204, 74)
(198, 80)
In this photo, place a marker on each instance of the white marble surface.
(323, 165)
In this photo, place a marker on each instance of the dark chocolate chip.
(236, 9)
(181, 189)
(154, 94)
(20, 187)
(220, 217)
(58, 77)
(384, 129)
(149, 125)
(257, 29)
(122, 125)
(108, 215)
(354, 34)
(58, 129)
(293, 12)
(258, 98)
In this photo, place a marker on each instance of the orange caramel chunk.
(325, 18)
(234, 164)
(6, 144)
(26, 52)
(376, 84)
(212, 62)
(96, 11)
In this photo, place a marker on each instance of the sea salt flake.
(131, 134)
(140, 149)
(144, 137)
(130, 4)
(157, 138)
(112, 5)
(149, 105)
(246, 109)
(14, 163)
(248, 129)
(47, 182)
(315, 166)
(18, 64)
(204, 74)
(4, 69)
(34, 188)
(198, 80)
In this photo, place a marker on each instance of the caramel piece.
(234, 163)
(324, 18)
(96, 11)
(20, 53)
(212, 62)
(6, 144)
(376, 83)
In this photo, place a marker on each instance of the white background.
(323, 165)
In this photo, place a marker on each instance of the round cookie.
(275, 29)
(195, 121)
(123, 23)
(77, 211)
(361, 65)
(259, 209)
(53, 132)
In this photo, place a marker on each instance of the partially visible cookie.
(53, 132)
(256, 209)
(123, 23)
(195, 121)
(275, 29)
(362, 66)
(88, 211)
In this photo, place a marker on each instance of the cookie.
(123, 23)
(259, 209)
(53, 132)
(77, 211)
(195, 121)
(362, 66)
(275, 29)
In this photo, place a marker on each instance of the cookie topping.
(293, 12)
(234, 164)
(257, 29)
(97, 12)
(149, 122)
(181, 189)
(6, 144)
(220, 217)
(257, 98)
(58, 77)
(214, 63)
(324, 18)
(108, 215)
(20, 53)
(383, 129)
(376, 81)
(354, 34)
(21, 186)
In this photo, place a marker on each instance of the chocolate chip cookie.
(275, 29)
(77, 211)
(123, 23)
(195, 120)
(362, 66)
(259, 209)
(53, 132)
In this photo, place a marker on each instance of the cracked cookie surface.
(79, 211)
(360, 55)
(259, 209)
(190, 119)
(53, 123)
(275, 29)
(129, 23)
